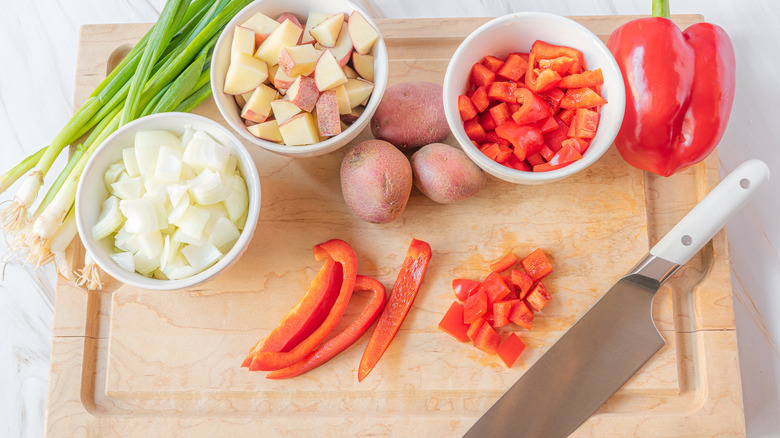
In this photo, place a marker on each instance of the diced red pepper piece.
(579, 144)
(537, 265)
(512, 295)
(559, 65)
(547, 125)
(516, 163)
(494, 288)
(494, 138)
(588, 78)
(493, 63)
(500, 112)
(571, 133)
(510, 349)
(400, 301)
(526, 139)
(503, 91)
(348, 336)
(474, 130)
(541, 81)
(480, 99)
(581, 98)
(522, 315)
(491, 150)
(452, 322)
(547, 153)
(553, 139)
(504, 152)
(481, 76)
(464, 288)
(522, 282)
(566, 155)
(586, 123)
(539, 297)
(514, 67)
(501, 311)
(488, 124)
(567, 115)
(543, 50)
(475, 307)
(507, 261)
(487, 339)
(532, 107)
(546, 167)
(341, 253)
(553, 97)
(474, 327)
(466, 108)
(513, 107)
(535, 159)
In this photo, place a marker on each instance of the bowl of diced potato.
(300, 78)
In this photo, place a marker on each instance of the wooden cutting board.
(129, 362)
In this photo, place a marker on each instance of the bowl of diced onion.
(168, 201)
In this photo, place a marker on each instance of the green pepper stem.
(661, 8)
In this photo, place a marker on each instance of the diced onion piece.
(156, 187)
(145, 265)
(182, 237)
(179, 209)
(181, 272)
(241, 222)
(207, 188)
(178, 193)
(169, 251)
(151, 244)
(192, 221)
(169, 161)
(130, 188)
(224, 234)
(201, 256)
(141, 215)
(187, 172)
(158, 274)
(187, 136)
(215, 212)
(126, 241)
(204, 152)
(128, 157)
(125, 260)
(113, 173)
(232, 166)
(147, 145)
(110, 219)
(237, 199)
(158, 202)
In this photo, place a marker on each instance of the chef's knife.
(613, 339)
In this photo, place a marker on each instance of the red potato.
(376, 180)
(303, 93)
(411, 115)
(446, 174)
(328, 118)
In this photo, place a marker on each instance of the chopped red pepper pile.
(533, 111)
(504, 297)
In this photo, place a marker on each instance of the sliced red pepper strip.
(401, 297)
(588, 78)
(581, 98)
(543, 50)
(342, 254)
(347, 337)
(507, 261)
(306, 315)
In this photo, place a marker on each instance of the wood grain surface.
(126, 361)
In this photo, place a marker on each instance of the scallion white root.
(89, 275)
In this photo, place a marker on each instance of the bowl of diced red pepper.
(533, 97)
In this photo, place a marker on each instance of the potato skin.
(446, 174)
(410, 115)
(376, 180)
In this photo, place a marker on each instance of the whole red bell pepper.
(679, 90)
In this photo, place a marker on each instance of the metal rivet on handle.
(686, 240)
(744, 183)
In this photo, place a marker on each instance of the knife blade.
(616, 336)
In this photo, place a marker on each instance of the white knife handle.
(711, 214)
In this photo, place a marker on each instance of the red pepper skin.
(401, 298)
(342, 254)
(679, 92)
(343, 340)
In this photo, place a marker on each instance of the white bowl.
(300, 8)
(516, 33)
(92, 191)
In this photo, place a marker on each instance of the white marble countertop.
(38, 40)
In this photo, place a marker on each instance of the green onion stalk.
(166, 71)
